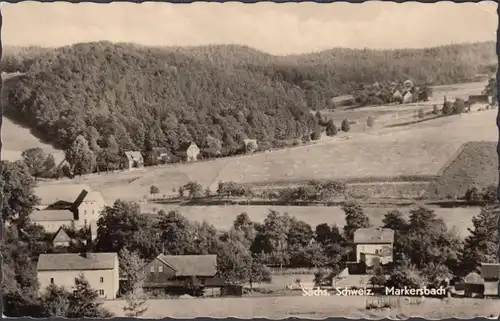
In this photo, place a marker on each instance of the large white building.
(374, 244)
(57, 201)
(99, 269)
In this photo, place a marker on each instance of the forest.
(130, 97)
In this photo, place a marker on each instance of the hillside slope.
(16, 138)
(476, 165)
(164, 96)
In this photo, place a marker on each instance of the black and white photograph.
(250, 160)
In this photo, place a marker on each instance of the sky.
(274, 28)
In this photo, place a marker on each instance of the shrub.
(346, 126)
(154, 190)
(370, 121)
(316, 135)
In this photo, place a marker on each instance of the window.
(160, 269)
(85, 212)
(52, 280)
(85, 222)
(102, 279)
(152, 269)
(101, 292)
(93, 211)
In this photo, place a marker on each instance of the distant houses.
(134, 159)
(101, 270)
(473, 99)
(53, 220)
(189, 152)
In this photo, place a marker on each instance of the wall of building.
(53, 226)
(385, 252)
(89, 212)
(107, 289)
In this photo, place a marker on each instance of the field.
(420, 149)
(313, 307)
(222, 217)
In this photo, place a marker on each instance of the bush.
(370, 121)
(331, 129)
(316, 135)
(435, 110)
(154, 190)
(346, 126)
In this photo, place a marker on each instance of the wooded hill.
(145, 97)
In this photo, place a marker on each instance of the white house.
(53, 220)
(99, 269)
(374, 244)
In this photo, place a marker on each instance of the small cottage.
(61, 238)
(189, 152)
(134, 160)
(250, 145)
(374, 245)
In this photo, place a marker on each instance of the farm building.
(374, 245)
(59, 201)
(174, 273)
(62, 269)
(250, 145)
(134, 160)
(189, 152)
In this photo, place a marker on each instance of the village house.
(490, 272)
(374, 244)
(189, 152)
(53, 220)
(61, 238)
(250, 145)
(171, 272)
(59, 201)
(160, 155)
(134, 160)
(99, 269)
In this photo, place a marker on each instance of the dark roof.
(133, 155)
(61, 236)
(373, 235)
(76, 262)
(184, 146)
(189, 265)
(51, 215)
(490, 270)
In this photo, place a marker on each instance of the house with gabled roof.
(53, 220)
(374, 244)
(175, 271)
(61, 238)
(62, 269)
(189, 151)
(134, 159)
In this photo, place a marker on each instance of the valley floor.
(314, 307)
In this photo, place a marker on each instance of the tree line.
(104, 98)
